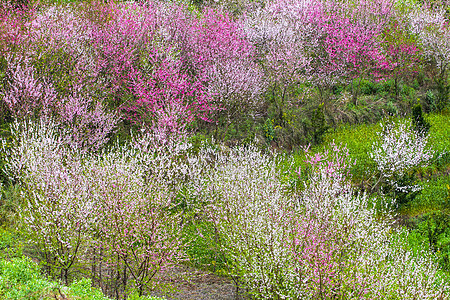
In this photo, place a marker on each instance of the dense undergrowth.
(299, 148)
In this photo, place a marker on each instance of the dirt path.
(200, 285)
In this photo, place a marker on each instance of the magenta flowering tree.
(120, 42)
(142, 73)
(227, 57)
(166, 100)
(352, 44)
(215, 51)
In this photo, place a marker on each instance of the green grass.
(440, 137)
(11, 244)
(21, 278)
(435, 196)
(202, 248)
(359, 139)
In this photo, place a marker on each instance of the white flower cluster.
(398, 150)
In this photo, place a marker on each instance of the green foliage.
(197, 142)
(203, 247)
(440, 132)
(402, 197)
(430, 100)
(57, 66)
(11, 244)
(418, 122)
(83, 290)
(187, 204)
(10, 203)
(442, 97)
(58, 2)
(367, 87)
(135, 296)
(5, 135)
(435, 196)
(240, 128)
(269, 131)
(319, 124)
(20, 279)
(433, 229)
(3, 67)
(408, 93)
(391, 108)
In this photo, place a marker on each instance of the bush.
(418, 122)
(20, 279)
(433, 229)
(397, 152)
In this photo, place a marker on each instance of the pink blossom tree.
(28, 97)
(353, 38)
(324, 42)
(214, 50)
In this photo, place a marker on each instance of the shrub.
(20, 278)
(399, 150)
(419, 124)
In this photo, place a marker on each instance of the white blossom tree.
(399, 150)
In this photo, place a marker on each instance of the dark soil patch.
(200, 285)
